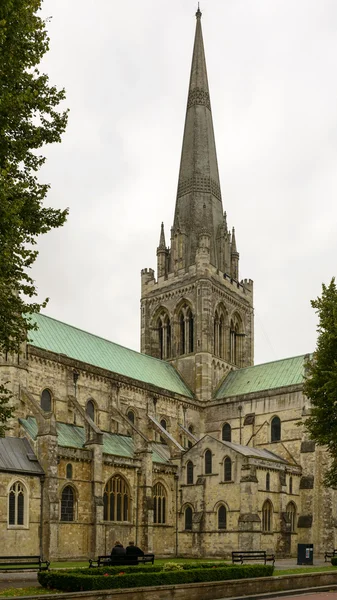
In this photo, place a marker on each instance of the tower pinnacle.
(198, 13)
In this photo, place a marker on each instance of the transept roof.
(267, 376)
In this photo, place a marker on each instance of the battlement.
(248, 283)
(147, 273)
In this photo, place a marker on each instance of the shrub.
(171, 566)
(89, 579)
(334, 561)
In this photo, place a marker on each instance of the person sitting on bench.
(118, 549)
(133, 550)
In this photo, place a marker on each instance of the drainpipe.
(41, 515)
(137, 495)
(177, 515)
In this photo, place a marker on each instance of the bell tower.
(197, 314)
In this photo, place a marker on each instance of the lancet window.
(90, 410)
(68, 504)
(227, 469)
(159, 504)
(188, 518)
(267, 515)
(236, 341)
(45, 401)
(186, 330)
(189, 473)
(16, 504)
(227, 433)
(275, 429)
(219, 333)
(116, 500)
(164, 335)
(222, 517)
(291, 513)
(208, 462)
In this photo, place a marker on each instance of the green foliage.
(29, 119)
(172, 566)
(321, 381)
(334, 561)
(88, 579)
(5, 410)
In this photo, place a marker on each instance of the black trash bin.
(305, 554)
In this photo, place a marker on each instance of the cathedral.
(187, 447)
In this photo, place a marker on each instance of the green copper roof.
(88, 348)
(73, 436)
(280, 373)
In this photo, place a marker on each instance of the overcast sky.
(272, 68)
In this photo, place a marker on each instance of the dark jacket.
(119, 549)
(134, 550)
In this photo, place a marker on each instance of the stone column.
(249, 520)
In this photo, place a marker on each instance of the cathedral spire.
(199, 182)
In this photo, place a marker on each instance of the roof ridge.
(271, 362)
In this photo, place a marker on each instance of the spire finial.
(198, 13)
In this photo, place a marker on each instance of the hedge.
(87, 580)
(114, 570)
(334, 561)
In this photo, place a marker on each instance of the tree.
(29, 119)
(321, 380)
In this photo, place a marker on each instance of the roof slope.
(61, 338)
(73, 436)
(268, 376)
(17, 456)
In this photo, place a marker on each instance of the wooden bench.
(242, 556)
(330, 554)
(120, 559)
(19, 563)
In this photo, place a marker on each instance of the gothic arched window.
(159, 504)
(227, 469)
(267, 515)
(236, 337)
(188, 518)
(186, 330)
(116, 500)
(131, 416)
(208, 462)
(164, 335)
(182, 333)
(275, 429)
(268, 482)
(189, 472)
(16, 504)
(219, 333)
(227, 433)
(222, 517)
(67, 504)
(291, 513)
(90, 410)
(290, 485)
(69, 471)
(45, 401)
(190, 324)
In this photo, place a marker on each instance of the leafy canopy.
(321, 382)
(29, 119)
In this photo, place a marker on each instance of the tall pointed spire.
(199, 182)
